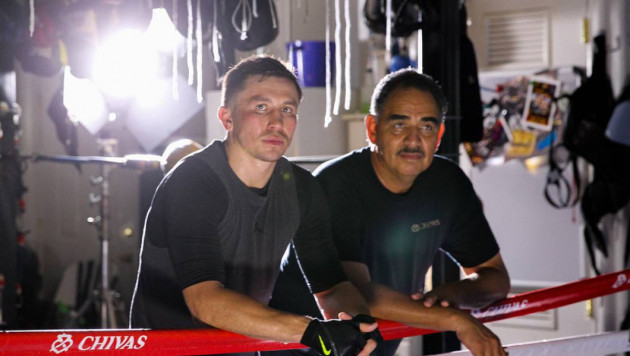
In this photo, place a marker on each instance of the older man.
(394, 204)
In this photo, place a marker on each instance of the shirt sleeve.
(313, 243)
(470, 240)
(194, 203)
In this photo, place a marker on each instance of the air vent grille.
(518, 39)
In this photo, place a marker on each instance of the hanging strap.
(591, 250)
(557, 181)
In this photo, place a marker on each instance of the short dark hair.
(264, 66)
(406, 78)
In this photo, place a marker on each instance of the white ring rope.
(583, 345)
(143, 342)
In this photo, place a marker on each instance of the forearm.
(477, 290)
(229, 310)
(343, 297)
(386, 303)
(389, 304)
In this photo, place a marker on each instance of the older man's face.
(406, 134)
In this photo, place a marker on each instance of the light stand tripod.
(107, 148)
(101, 295)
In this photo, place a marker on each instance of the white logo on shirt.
(425, 225)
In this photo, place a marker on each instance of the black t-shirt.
(205, 224)
(396, 235)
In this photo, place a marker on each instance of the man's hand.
(480, 340)
(431, 298)
(344, 337)
(367, 325)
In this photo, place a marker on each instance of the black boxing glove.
(337, 337)
(375, 334)
(333, 337)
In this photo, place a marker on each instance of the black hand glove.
(338, 337)
(374, 335)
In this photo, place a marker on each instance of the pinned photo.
(540, 105)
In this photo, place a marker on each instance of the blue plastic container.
(309, 58)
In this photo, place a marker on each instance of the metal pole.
(107, 147)
(446, 72)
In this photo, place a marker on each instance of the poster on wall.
(540, 103)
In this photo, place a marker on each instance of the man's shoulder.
(351, 161)
(304, 180)
(444, 164)
(445, 171)
(301, 175)
(191, 166)
(194, 169)
(209, 154)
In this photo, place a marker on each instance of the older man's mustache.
(417, 150)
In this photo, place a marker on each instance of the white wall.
(565, 32)
(535, 238)
(540, 244)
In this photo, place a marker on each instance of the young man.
(222, 218)
(393, 206)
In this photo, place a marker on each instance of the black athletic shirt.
(205, 224)
(398, 235)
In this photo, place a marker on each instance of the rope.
(189, 43)
(215, 35)
(327, 114)
(388, 26)
(246, 19)
(175, 55)
(213, 341)
(199, 39)
(338, 67)
(31, 17)
(348, 88)
(584, 345)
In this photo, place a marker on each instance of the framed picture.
(540, 104)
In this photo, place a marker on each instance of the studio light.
(132, 80)
(125, 65)
(84, 102)
(162, 34)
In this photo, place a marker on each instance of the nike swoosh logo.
(326, 351)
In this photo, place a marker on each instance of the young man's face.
(262, 117)
(406, 135)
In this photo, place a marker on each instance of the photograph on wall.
(540, 104)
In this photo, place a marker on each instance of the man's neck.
(392, 182)
(251, 171)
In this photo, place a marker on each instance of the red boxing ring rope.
(212, 341)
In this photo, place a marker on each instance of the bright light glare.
(84, 102)
(125, 65)
(161, 32)
(153, 95)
